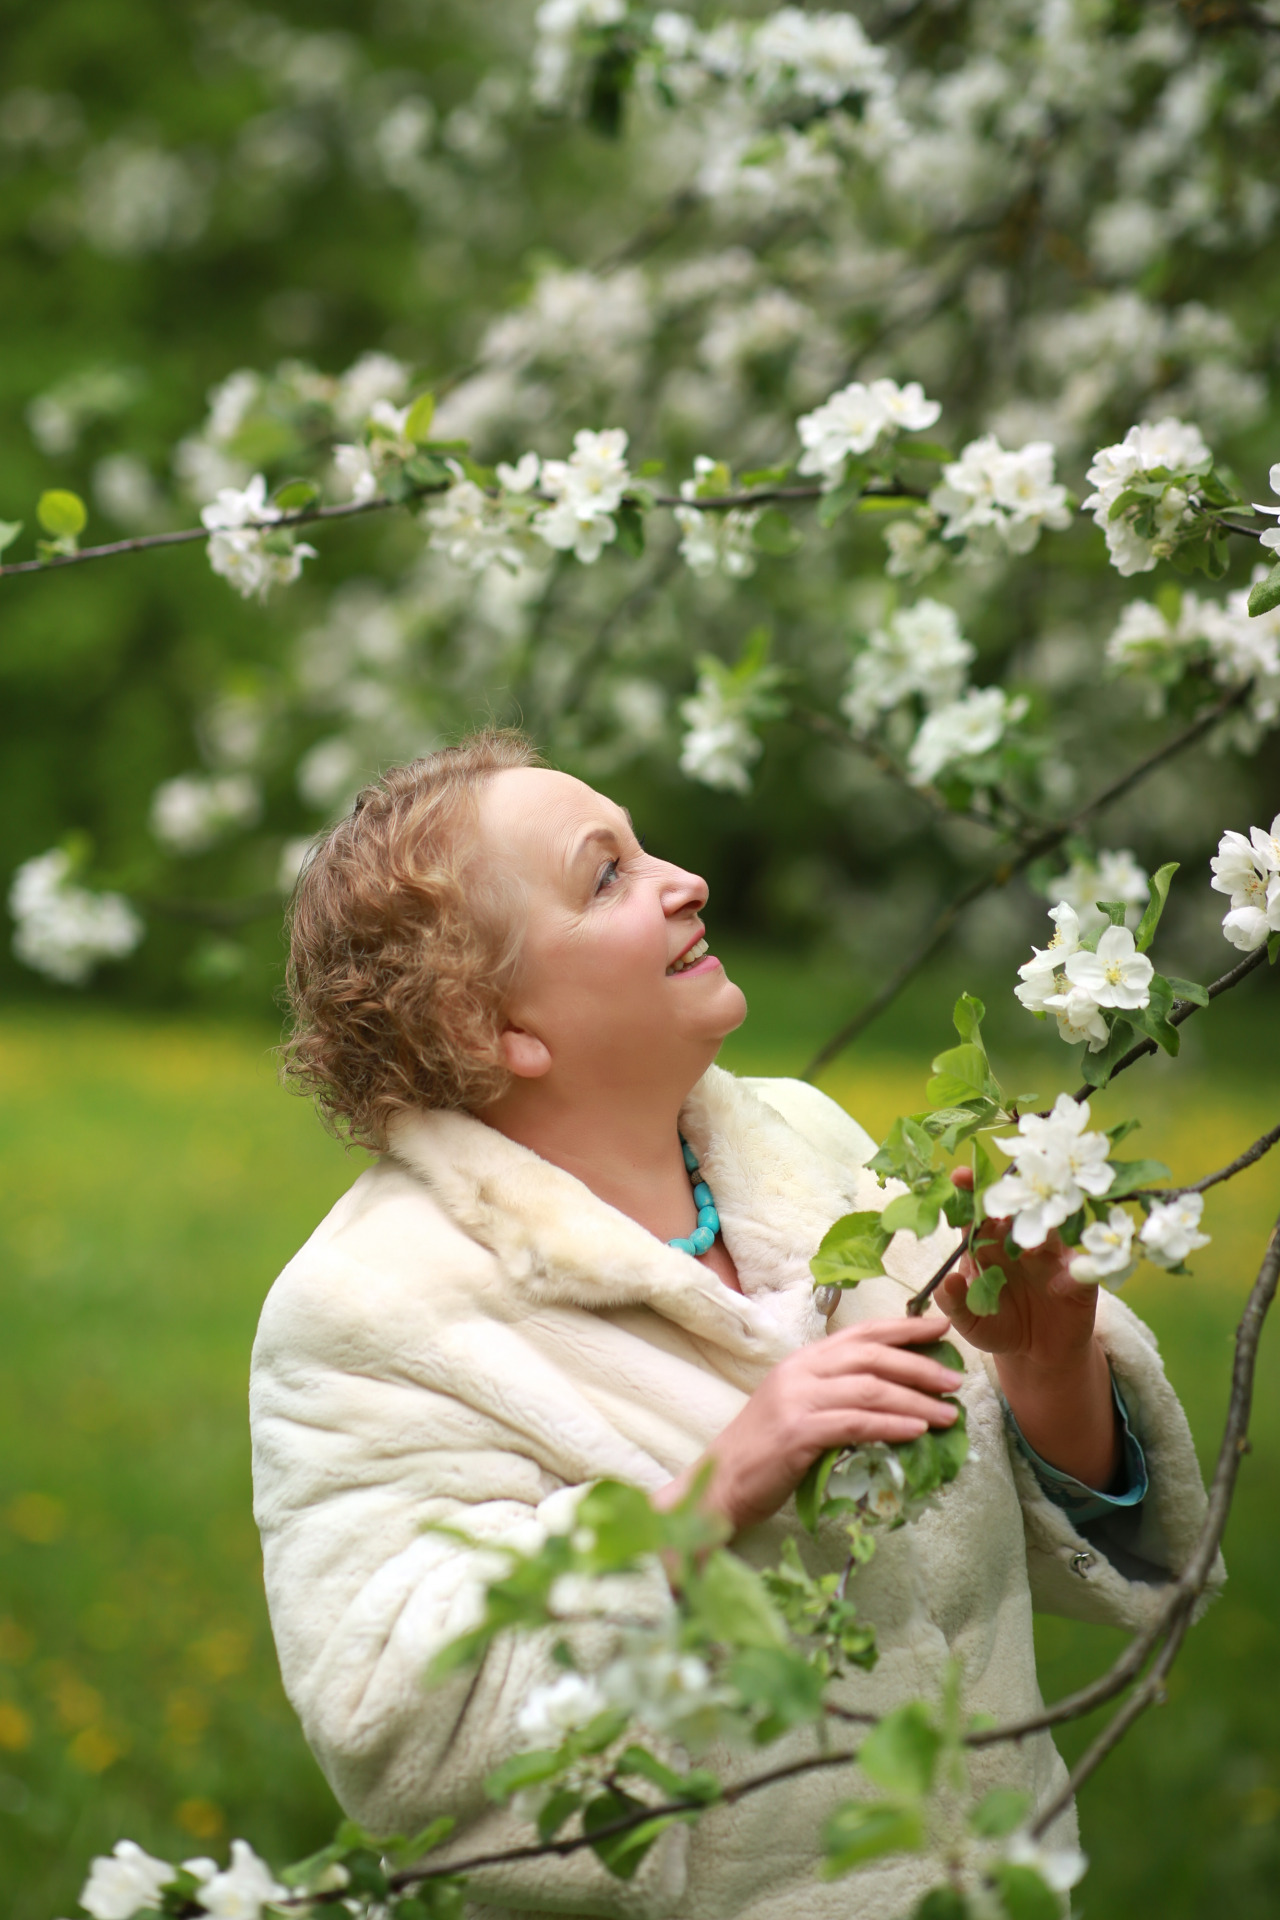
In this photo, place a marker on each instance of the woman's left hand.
(1052, 1367)
(1045, 1321)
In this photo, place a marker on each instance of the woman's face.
(603, 987)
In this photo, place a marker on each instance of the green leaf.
(1023, 1894)
(985, 1289)
(426, 470)
(61, 513)
(985, 1174)
(9, 531)
(944, 1353)
(630, 530)
(295, 494)
(621, 1853)
(851, 1250)
(1189, 990)
(696, 1785)
(522, 1770)
(967, 1017)
(1122, 1130)
(774, 533)
(1132, 1174)
(886, 503)
(918, 1212)
(555, 1810)
(862, 1830)
(936, 1457)
(942, 1903)
(810, 1492)
(729, 1598)
(1095, 1068)
(960, 1074)
(1115, 911)
(624, 1524)
(1265, 595)
(834, 505)
(906, 1151)
(925, 450)
(422, 412)
(999, 1812)
(780, 1684)
(1153, 1019)
(765, 476)
(1161, 881)
(901, 1751)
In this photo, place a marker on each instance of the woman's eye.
(608, 874)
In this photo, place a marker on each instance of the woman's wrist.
(1065, 1410)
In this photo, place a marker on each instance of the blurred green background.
(154, 1180)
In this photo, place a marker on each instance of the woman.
(501, 991)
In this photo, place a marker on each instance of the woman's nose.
(682, 890)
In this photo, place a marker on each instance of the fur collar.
(560, 1245)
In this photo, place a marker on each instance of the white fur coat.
(470, 1331)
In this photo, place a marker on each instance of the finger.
(899, 1332)
(868, 1392)
(886, 1363)
(857, 1429)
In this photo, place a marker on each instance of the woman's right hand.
(861, 1384)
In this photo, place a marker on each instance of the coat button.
(827, 1299)
(1081, 1563)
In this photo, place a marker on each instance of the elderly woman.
(499, 990)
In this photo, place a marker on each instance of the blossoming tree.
(910, 300)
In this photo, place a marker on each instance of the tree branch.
(1041, 842)
(1250, 1157)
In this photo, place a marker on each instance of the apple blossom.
(124, 1882)
(64, 930)
(961, 731)
(587, 490)
(1061, 1868)
(1116, 975)
(1108, 1250)
(1042, 974)
(1113, 875)
(1271, 538)
(193, 811)
(919, 651)
(851, 422)
(560, 1707)
(1172, 1230)
(998, 499)
(873, 1478)
(240, 1891)
(1056, 1163)
(1079, 1018)
(1166, 446)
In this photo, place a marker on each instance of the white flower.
(1056, 1163)
(193, 811)
(1172, 1230)
(240, 507)
(587, 489)
(852, 420)
(997, 498)
(912, 554)
(561, 1707)
(474, 531)
(523, 477)
(1166, 446)
(1115, 875)
(719, 749)
(1042, 973)
(1249, 872)
(120, 1884)
(822, 56)
(873, 1477)
(63, 931)
(1117, 975)
(373, 377)
(663, 1688)
(961, 731)
(1108, 1250)
(920, 651)
(1079, 1018)
(1061, 1868)
(1271, 538)
(240, 1891)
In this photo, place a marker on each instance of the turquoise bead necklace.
(702, 1239)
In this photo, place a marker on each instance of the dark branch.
(1251, 1155)
(1033, 847)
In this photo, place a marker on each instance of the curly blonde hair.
(402, 949)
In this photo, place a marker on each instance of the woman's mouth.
(690, 958)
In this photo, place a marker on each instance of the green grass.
(155, 1179)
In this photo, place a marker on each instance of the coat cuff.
(1082, 1503)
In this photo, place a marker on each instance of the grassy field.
(155, 1179)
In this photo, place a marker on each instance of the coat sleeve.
(357, 1453)
(1114, 1570)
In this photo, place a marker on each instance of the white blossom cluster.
(129, 1881)
(997, 499)
(1160, 642)
(569, 505)
(715, 542)
(1248, 872)
(244, 549)
(1165, 451)
(193, 811)
(666, 1690)
(719, 747)
(872, 1476)
(1056, 1165)
(1076, 985)
(920, 653)
(64, 930)
(853, 420)
(475, 529)
(1114, 874)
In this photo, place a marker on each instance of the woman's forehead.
(539, 812)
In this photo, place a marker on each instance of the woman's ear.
(525, 1055)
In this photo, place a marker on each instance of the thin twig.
(1032, 849)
